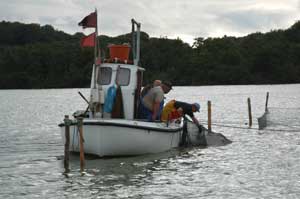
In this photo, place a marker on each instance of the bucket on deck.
(119, 52)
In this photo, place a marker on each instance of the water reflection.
(105, 176)
(258, 164)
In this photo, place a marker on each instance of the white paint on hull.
(108, 137)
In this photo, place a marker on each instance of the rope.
(230, 126)
(294, 127)
(251, 128)
(283, 108)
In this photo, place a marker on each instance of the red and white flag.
(88, 41)
(89, 21)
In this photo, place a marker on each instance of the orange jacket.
(170, 112)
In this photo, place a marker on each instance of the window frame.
(99, 76)
(128, 79)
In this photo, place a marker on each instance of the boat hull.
(123, 137)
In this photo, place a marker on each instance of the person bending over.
(176, 109)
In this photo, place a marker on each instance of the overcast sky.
(186, 19)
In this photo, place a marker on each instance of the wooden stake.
(209, 116)
(81, 141)
(249, 112)
(67, 143)
(267, 100)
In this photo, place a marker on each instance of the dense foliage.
(34, 56)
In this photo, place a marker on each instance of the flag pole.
(94, 90)
(97, 41)
(98, 107)
(95, 48)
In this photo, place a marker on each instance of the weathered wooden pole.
(267, 100)
(209, 116)
(249, 112)
(81, 141)
(67, 122)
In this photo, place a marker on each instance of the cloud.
(171, 18)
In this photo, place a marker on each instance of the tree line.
(34, 56)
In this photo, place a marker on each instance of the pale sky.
(186, 19)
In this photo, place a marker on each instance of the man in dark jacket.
(176, 109)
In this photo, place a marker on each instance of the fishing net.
(285, 119)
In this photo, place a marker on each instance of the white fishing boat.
(109, 124)
(116, 84)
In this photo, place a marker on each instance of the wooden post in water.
(267, 100)
(209, 116)
(249, 112)
(81, 141)
(67, 122)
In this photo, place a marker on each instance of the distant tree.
(34, 56)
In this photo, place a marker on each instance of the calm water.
(258, 164)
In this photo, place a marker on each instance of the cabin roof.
(115, 65)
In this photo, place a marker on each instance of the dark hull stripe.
(128, 126)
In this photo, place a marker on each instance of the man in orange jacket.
(176, 109)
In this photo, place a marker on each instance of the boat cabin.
(113, 74)
(128, 78)
(117, 81)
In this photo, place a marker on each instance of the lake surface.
(258, 164)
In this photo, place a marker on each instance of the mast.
(95, 50)
(133, 39)
(96, 90)
(136, 46)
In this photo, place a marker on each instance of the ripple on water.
(258, 164)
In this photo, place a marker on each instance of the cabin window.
(123, 76)
(104, 75)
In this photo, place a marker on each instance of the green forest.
(35, 56)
